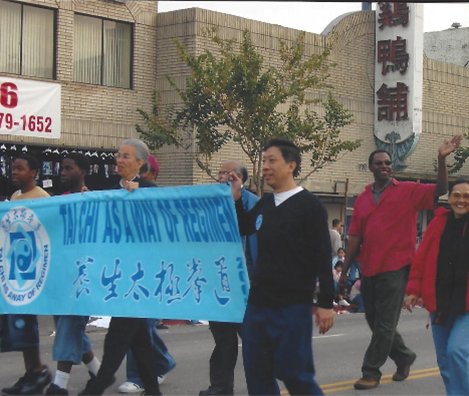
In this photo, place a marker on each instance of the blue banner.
(172, 253)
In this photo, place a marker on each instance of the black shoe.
(161, 326)
(92, 387)
(15, 389)
(403, 370)
(54, 389)
(217, 390)
(30, 384)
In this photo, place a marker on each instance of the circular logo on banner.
(258, 222)
(24, 256)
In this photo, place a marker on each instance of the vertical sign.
(398, 78)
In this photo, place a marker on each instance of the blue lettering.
(152, 226)
(185, 219)
(170, 220)
(201, 220)
(117, 228)
(107, 225)
(128, 231)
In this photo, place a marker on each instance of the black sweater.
(293, 249)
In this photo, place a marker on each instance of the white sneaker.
(344, 303)
(161, 379)
(130, 388)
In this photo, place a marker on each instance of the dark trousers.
(225, 353)
(277, 344)
(383, 297)
(125, 333)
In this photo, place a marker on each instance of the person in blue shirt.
(225, 335)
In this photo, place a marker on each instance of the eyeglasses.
(459, 195)
(124, 156)
(224, 173)
(379, 163)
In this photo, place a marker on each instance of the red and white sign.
(30, 108)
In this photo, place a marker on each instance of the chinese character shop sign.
(398, 78)
(156, 252)
(30, 108)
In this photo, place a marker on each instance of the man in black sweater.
(293, 250)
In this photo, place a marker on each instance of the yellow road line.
(385, 379)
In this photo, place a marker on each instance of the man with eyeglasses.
(383, 231)
(225, 335)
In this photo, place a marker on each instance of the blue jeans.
(277, 344)
(359, 301)
(70, 342)
(452, 353)
(164, 361)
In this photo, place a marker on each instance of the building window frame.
(102, 72)
(53, 49)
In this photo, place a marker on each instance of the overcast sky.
(315, 16)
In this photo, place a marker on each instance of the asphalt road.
(338, 356)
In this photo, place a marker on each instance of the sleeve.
(414, 284)
(423, 196)
(246, 220)
(322, 255)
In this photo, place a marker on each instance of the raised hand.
(448, 146)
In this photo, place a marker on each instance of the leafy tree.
(460, 156)
(235, 96)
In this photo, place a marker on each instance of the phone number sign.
(30, 108)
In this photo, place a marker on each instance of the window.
(102, 52)
(26, 40)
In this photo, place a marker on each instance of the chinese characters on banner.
(156, 252)
(398, 78)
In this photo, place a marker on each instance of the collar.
(135, 178)
(384, 188)
(393, 181)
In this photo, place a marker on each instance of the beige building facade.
(98, 107)
(98, 117)
(445, 104)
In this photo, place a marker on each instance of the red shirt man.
(389, 228)
(383, 232)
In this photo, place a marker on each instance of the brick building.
(98, 104)
(97, 117)
(445, 104)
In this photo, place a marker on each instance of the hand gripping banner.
(172, 253)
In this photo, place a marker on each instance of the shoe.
(161, 326)
(366, 382)
(130, 388)
(217, 390)
(54, 389)
(161, 379)
(92, 389)
(402, 372)
(30, 384)
(344, 303)
(16, 389)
